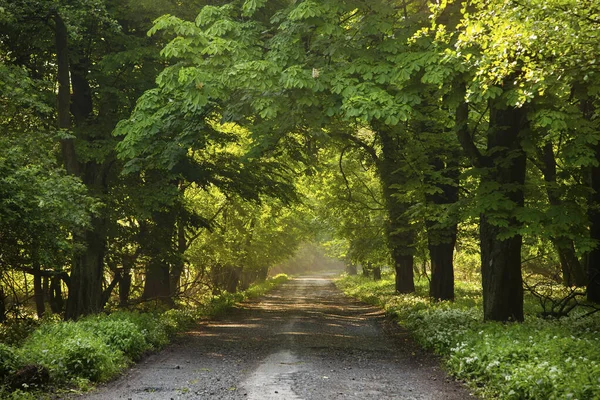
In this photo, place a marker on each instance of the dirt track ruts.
(304, 340)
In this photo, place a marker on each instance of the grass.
(99, 347)
(536, 359)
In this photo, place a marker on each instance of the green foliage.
(15, 331)
(122, 335)
(9, 361)
(70, 350)
(538, 359)
(98, 347)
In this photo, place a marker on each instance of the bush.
(15, 331)
(155, 332)
(122, 335)
(8, 361)
(69, 350)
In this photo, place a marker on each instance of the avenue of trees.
(148, 146)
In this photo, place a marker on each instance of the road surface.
(304, 340)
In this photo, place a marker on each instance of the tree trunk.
(124, 288)
(441, 237)
(593, 288)
(2, 305)
(501, 257)
(400, 234)
(572, 270)
(125, 281)
(158, 248)
(85, 291)
(366, 270)
(157, 285)
(56, 299)
(38, 290)
(351, 269)
(179, 264)
(64, 94)
(377, 273)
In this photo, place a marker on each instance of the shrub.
(69, 350)
(149, 324)
(121, 335)
(8, 361)
(15, 331)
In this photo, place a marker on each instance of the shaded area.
(304, 340)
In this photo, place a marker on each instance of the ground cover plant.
(537, 359)
(97, 348)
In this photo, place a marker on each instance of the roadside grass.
(537, 359)
(99, 347)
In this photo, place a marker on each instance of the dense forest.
(151, 145)
(156, 151)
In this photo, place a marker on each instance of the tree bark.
(400, 235)
(377, 273)
(593, 260)
(64, 94)
(442, 239)
(85, 291)
(572, 270)
(38, 290)
(501, 257)
(56, 299)
(2, 305)
(158, 249)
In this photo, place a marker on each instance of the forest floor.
(303, 340)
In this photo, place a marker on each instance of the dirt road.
(304, 340)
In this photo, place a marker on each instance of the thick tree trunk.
(124, 288)
(501, 257)
(442, 238)
(400, 235)
(85, 291)
(157, 285)
(64, 94)
(441, 286)
(158, 248)
(593, 260)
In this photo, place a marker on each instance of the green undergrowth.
(537, 359)
(99, 347)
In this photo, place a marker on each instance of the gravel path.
(304, 340)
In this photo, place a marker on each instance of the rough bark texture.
(400, 236)
(593, 288)
(85, 291)
(64, 94)
(442, 238)
(501, 258)
(157, 248)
